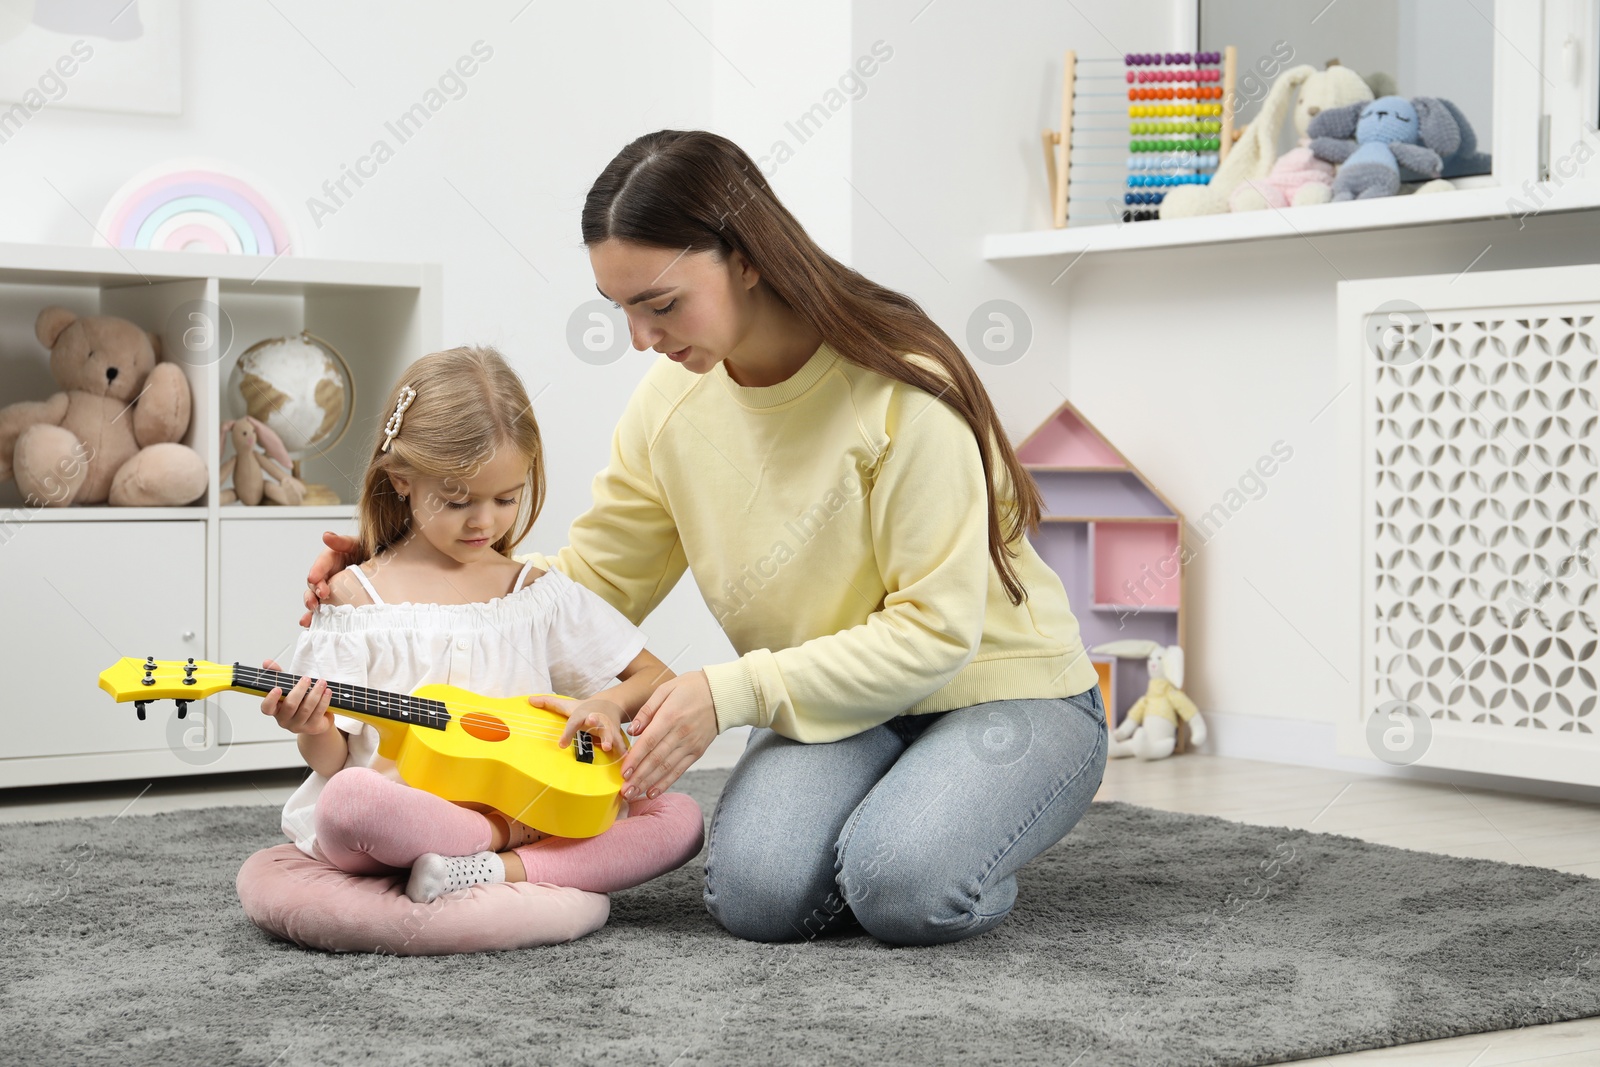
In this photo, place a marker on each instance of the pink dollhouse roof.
(1069, 440)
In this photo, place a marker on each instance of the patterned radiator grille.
(1481, 469)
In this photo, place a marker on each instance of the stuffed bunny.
(1466, 159)
(1150, 730)
(1304, 90)
(1375, 142)
(246, 465)
(1299, 177)
(1250, 158)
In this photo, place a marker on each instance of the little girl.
(456, 482)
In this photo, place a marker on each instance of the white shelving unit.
(83, 586)
(1389, 213)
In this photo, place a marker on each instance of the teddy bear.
(111, 435)
(1383, 142)
(1150, 729)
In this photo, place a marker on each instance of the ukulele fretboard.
(400, 707)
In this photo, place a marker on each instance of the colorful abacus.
(1179, 112)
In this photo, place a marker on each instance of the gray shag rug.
(1144, 938)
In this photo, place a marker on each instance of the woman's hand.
(303, 709)
(341, 552)
(673, 729)
(599, 718)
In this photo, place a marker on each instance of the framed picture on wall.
(101, 55)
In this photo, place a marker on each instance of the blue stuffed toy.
(1392, 136)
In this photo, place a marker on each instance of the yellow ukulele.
(465, 747)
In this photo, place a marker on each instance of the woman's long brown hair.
(696, 191)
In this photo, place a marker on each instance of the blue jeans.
(914, 829)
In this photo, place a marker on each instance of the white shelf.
(35, 264)
(16, 515)
(1170, 609)
(268, 512)
(1388, 213)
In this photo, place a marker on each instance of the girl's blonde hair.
(469, 403)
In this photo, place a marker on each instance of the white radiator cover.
(1470, 462)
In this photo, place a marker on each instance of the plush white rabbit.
(1150, 730)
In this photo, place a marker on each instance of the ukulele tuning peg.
(139, 706)
(183, 707)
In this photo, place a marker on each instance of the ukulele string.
(520, 725)
(534, 725)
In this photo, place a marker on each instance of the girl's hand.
(303, 709)
(673, 729)
(341, 552)
(601, 719)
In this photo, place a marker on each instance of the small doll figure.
(1150, 730)
(249, 467)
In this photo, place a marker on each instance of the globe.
(300, 387)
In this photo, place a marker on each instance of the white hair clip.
(392, 427)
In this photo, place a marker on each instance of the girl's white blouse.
(551, 636)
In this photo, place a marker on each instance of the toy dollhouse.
(1116, 542)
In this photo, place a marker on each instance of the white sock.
(433, 874)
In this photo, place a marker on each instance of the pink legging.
(369, 824)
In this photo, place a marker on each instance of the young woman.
(823, 459)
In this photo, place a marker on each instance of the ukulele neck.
(358, 699)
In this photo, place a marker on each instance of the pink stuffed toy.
(1297, 178)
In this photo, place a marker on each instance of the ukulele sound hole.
(484, 727)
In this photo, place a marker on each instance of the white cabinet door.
(263, 574)
(78, 596)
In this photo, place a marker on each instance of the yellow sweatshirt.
(835, 524)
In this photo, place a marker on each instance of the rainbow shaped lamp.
(195, 206)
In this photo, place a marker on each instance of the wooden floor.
(1429, 817)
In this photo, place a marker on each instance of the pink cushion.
(314, 904)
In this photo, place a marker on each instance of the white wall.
(295, 97)
(777, 61)
(1194, 361)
